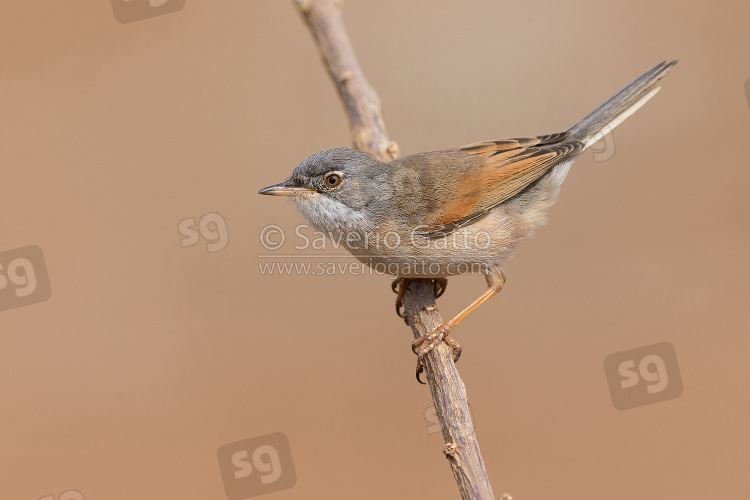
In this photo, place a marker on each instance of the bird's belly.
(490, 241)
(469, 250)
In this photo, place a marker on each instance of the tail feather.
(623, 104)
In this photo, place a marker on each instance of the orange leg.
(426, 343)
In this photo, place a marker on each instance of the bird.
(450, 212)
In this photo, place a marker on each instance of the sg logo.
(256, 466)
(604, 147)
(66, 495)
(23, 278)
(127, 11)
(211, 226)
(433, 423)
(643, 376)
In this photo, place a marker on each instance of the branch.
(360, 101)
(448, 395)
(368, 132)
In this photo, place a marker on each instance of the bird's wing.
(494, 172)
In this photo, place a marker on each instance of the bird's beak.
(285, 189)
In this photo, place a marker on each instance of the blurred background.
(163, 340)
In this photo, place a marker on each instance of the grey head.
(337, 190)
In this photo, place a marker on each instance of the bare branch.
(368, 132)
(449, 396)
(360, 101)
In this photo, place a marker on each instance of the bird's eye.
(333, 180)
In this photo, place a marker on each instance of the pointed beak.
(285, 189)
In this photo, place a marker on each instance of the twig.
(362, 107)
(360, 101)
(449, 396)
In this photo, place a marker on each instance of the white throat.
(329, 215)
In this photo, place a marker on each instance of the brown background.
(149, 356)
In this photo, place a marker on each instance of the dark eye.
(333, 180)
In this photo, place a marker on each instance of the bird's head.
(337, 190)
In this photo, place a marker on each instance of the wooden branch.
(368, 132)
(360, 101)
(449, 395)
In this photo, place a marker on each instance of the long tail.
(623, 104)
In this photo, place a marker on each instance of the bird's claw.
(420, 368)
(399, 287)
(431, 340)
(434, 337)
(440, 285)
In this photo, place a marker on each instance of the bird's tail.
(623, 104)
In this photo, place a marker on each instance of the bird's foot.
(440, 285)
(399, 288)
(428, 342)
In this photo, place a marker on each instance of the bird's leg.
(426, 343)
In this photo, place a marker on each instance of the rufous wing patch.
(509, 166)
